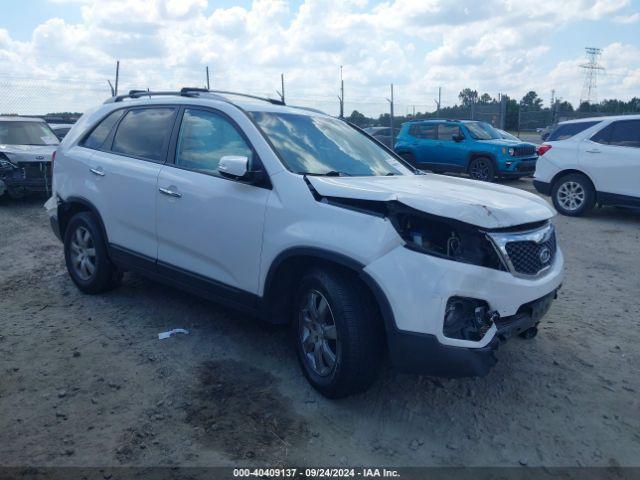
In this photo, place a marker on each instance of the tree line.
(529, 103)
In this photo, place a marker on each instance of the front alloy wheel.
(318, 334)
(338, 336)
(481, 169)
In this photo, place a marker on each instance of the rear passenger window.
(426, 131)
(568, 130)
(626, 133)
(97, 138)
(143, 132)
(446, 132)
(206, 137)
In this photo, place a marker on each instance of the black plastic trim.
(616, 199)
(542, 187)
(185, 280)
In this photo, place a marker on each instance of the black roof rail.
(189, 92)
(274, 101)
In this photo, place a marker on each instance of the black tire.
(104, 276)
(482, 168)
(16, 193)
(529, 333)
(359, 340)
(584, 195)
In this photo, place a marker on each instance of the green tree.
(358, 118)
(485, 99)
(531, 100)
(468, 97)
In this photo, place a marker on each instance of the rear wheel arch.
(571, 171)
(72, 205)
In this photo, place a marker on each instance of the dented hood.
(28, 153)
(482, 204)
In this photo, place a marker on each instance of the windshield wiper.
(330, 173)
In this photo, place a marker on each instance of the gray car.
(26, 147)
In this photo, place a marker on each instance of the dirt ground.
(84, 380)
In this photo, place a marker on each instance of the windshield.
(482, 131)
(27, 133)
(319, 145)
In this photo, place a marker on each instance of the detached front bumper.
(26, 177)
(418, 287)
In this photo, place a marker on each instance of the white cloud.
(633, 18)
(494, 46)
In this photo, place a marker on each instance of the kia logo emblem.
(544, 255)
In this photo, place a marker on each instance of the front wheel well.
(283, 278)
(474, 155)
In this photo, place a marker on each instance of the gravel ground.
(86, 382)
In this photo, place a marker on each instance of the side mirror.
(237, 168)
(457, 138)
(233, 166)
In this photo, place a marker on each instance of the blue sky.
(497, 46)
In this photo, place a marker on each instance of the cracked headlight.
(445, 238)
(5, 163)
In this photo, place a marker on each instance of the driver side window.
(205, 137)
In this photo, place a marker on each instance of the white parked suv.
(303, 219)
(591, 161)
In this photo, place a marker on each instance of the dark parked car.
(382, 134)
(60, 129)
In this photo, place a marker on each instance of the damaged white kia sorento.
(303, 219)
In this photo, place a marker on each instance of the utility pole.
(591, 69)
(281, 92)
(438, 102)
(341, 97)
(390, 100)
(117, 77)
(208, 85)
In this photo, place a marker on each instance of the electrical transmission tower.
(591, 69)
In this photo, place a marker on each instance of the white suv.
(591, 161)
(303, 219)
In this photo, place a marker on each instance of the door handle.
(97, 171)
(171, 193)
(593, 151)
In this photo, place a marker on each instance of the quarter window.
(144, 132)
(206, 137)
(568, 130)
(97, 138)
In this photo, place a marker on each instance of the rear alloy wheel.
(573, 195)
(338, 336)
(85, 253)
(481, 168)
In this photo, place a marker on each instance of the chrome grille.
(527, 253)
(529, 257)
(523, 150)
